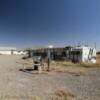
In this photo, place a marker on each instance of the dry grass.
(68, 67)
(91, 65)
(57, 66)
(65, 63)
(20, 98)
(86, 64)
(27, 62)
(36, 98)
(63, 95)
(62, 64)
(65, 66)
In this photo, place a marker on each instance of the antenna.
(95, 45)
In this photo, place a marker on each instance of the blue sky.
(27, 23)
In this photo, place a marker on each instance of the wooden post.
(48, 60)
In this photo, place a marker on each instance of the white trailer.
(83, 54)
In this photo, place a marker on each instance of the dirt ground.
(75, 83)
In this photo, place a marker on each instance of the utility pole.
(48, 60)
(49, 57)
(95, 45)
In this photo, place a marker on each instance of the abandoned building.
(72, 53)
(55, 53)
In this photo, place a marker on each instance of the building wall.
(11, 52)
(19, 53)
(6, 52)
(15, 52)
(85, 54)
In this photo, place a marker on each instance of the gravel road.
(18, 85)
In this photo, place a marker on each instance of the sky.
(29, 23)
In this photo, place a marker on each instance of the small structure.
(83, 54)
(7, 50)
(11, 51)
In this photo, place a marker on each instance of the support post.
(48, 60)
